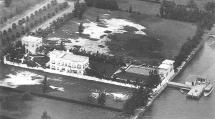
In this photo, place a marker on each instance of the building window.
(79, 66)
(73, 66)
(75, 71)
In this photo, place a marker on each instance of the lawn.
(200, 3)
(144, 7)
(170, 35)
(153, 8)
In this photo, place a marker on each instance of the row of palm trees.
(56, 24)
(25, 24)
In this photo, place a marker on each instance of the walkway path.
(49, 21)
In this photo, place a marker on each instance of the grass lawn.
(200, 3)
(172, 34)
(144, 7)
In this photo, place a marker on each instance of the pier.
(194, 91)
(179, 85)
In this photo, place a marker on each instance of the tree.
(45, 115)
(191, 4)
(62, 47)
(14, 26)
(45, 84)
(97, 19)
(102, 98)
(210, 7)
(103, 4)
(139, 98)
(7, 3)
(79, 9)
(130, 9)
(154, 79)
(81, 28)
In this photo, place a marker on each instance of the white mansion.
(64, 61)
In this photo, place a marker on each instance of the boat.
(208, 89)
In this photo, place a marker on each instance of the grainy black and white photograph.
(107, 59)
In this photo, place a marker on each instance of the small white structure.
(64, 61)
(31, 43)
(166, 68)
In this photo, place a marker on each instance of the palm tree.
(45, 115)
(20, 22)
(81, 28)
(44, 8)
(14, 26)
(102, 98)
(27, 18)
(45, 84)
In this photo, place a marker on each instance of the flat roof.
(32, 39)
(142, 70)
(164, 66)
(68, 56)
(167, 61)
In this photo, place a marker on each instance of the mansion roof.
(64, 55)
(32, 39)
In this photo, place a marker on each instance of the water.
(172, 104)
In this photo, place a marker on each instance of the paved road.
(60, 14)
(26, 13)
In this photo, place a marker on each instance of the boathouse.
(166, 68)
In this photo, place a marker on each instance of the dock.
(179, 85)
(194, 91)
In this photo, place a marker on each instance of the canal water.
(172, 104)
